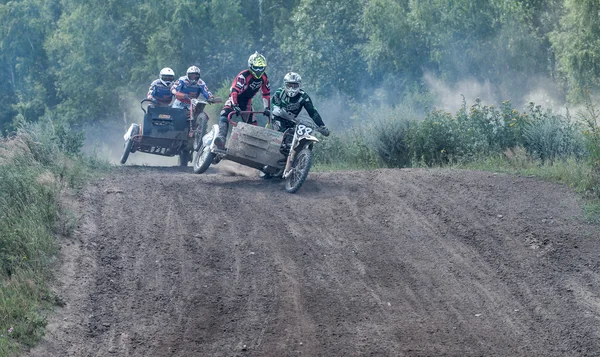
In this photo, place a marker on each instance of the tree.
(324, 46)
(577, 46)
(29, 87)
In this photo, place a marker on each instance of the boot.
(222, 136)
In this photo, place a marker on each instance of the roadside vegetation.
(536, 142)
(38, 163)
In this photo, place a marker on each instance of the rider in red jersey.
(246, 84)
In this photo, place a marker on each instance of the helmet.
(167, 76)
(193, 74)
(257, 64)
(292, 82)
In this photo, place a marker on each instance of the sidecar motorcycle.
(168, 131)
(286, 155)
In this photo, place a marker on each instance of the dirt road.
(382, 263)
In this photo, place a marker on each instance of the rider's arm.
(276, 100)
(176, 86)
(312, 111)
(205, 92)
(236, 87)
(177, 91)
(150, 94)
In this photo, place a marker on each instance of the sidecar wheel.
(203, 159)
(126, 151)
(300, 168)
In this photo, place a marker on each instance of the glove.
(267, 111)
(323, 130)
(237, 109)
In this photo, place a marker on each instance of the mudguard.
(134, 129)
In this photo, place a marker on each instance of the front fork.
(291, 156)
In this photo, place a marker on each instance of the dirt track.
(382, 263)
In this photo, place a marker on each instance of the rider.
(160, 89)
(244, 87)
(188, 87)
(288, 101)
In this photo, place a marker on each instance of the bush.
(434, 141)
(390, 141)
(548, 136)
(346, 150)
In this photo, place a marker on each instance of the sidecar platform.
(255, 146)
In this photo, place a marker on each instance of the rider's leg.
(222, 135)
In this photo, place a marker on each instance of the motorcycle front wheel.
(203, 159)
(300, 167)
(200, 134)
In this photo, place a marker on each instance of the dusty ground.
(382, 263)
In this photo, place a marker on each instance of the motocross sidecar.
(249, 145)
(167, 131)
(286, 155)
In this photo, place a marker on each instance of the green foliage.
(327, 47)
(591, 120)
(549, 136)
(577, 46)
(390, 141)
(35, 165)
(348, 150)
(434, 140)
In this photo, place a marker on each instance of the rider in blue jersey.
(188, 87)
(160, 89)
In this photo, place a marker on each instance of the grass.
(36, 167)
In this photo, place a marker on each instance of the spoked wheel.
(300, 167)
(200, 134)
(203, 159)
(126, 150)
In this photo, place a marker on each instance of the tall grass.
(36, 164)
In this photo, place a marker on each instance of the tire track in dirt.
(383, 263)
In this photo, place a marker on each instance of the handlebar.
(209, 100)
(244, 112)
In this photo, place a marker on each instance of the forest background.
(90, 61)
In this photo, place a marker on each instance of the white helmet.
(292, 82)
(193, 74)
(167, 76)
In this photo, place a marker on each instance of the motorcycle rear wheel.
(300, 168)
(126, 151)
(203, 159)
